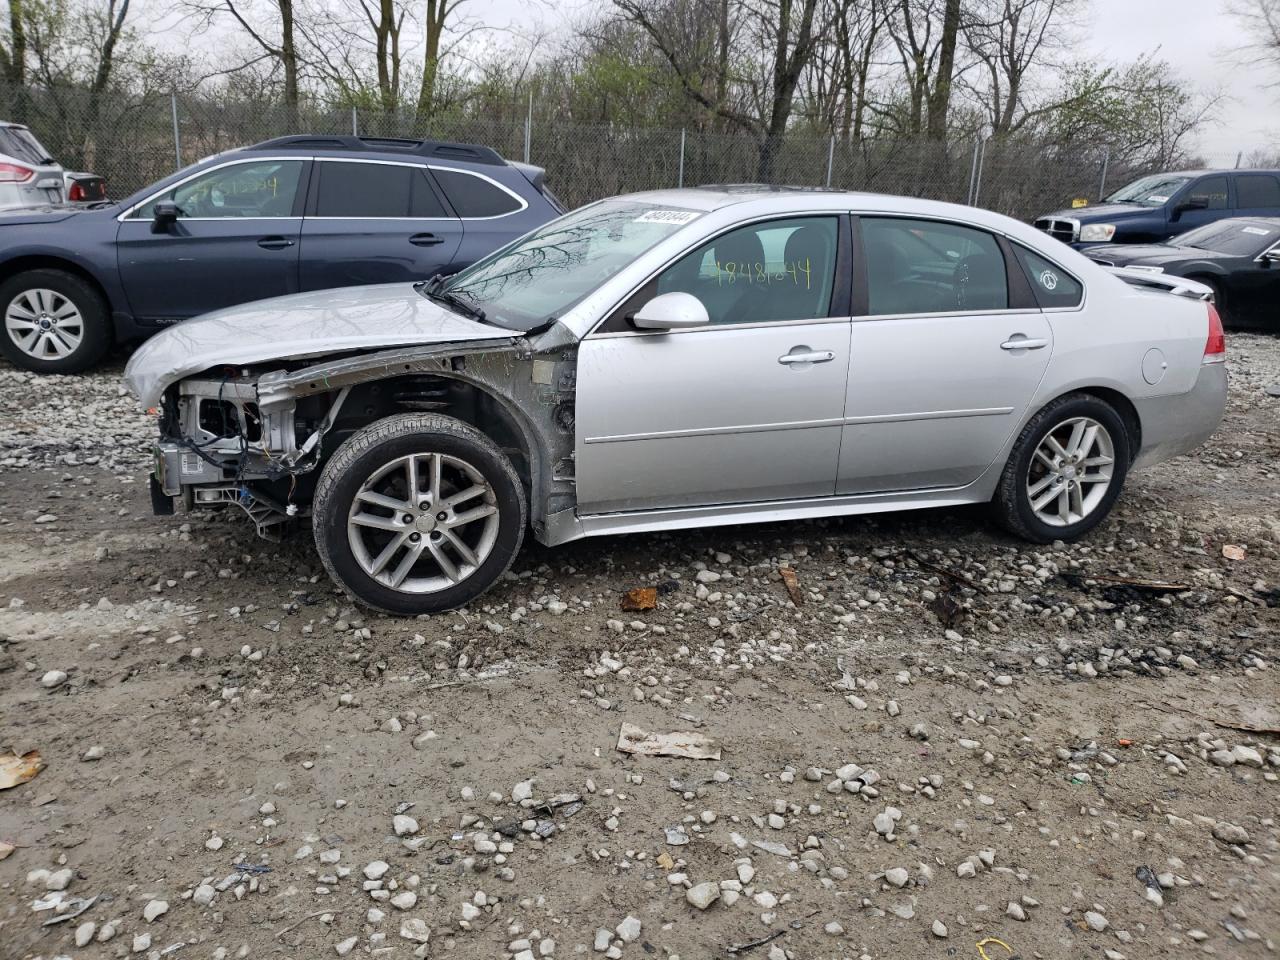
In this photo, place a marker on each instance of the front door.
(941, 369)
(374, 222)
(235, 240)
(745, 409)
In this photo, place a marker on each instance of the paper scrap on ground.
(15, 770)
(688, 744)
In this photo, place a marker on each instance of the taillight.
(15, 173)
(1215, 347)
(76, 192)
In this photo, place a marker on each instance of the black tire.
(1012, 502)
(381, 443)
(95, 317)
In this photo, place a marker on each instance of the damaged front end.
(256, 437)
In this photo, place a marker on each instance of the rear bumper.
(1175, 425)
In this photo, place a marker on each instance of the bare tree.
(13, 56)
(440, 13)
(784, 35)
(926, 34)
(1011, 39)
(271, 29)
(1261, 22)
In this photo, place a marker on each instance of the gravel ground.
(948, 745)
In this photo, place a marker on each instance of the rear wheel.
(54, 322)
(1066, 470)
(418, 513)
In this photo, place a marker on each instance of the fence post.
(355, 126)
(680, 173)
(1106, 160)
(1239, 157)
(831, 158)
(177, 138)
(973, 170)
(528, 127)
(977, 179)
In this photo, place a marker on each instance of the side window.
(472, 196)
(773, 271)
(1257, 190)
(1212, 190)
(363, 190)
(265, 188)
(922, 266)
(1052, 286)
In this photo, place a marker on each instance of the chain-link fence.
(134, 140)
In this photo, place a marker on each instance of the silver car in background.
(29, 176)
(678, 359)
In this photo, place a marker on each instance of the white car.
(30, 179)
(684, 358)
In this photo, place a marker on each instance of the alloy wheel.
(1070, 471)
(44, 324)
(423, 523)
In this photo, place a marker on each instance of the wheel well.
(11, 268)
(440, 394)
(1128, 413)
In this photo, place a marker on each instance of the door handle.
(425, 240)
(275, 243)
(806, 356)
(1021, 341)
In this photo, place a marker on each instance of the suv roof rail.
(442, 149)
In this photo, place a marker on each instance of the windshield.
(539, 277)
(1150, 191)
(1239, 239)
(21, 144)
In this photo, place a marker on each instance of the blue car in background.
(1155, 208)
(288, 215)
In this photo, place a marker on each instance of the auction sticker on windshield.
(668, 216)
(1256, 231)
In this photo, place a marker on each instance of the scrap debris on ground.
(904, 735)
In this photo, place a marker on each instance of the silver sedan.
(681, 359)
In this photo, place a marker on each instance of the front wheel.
(1065, 472)
(418, 513)
(54, 322)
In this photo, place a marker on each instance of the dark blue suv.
(1155, 208)
(288, 215)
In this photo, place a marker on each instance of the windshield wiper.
(431, 289)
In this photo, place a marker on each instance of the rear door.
(235, 240)
(374, 221)
(1258, 195)
(944, 358)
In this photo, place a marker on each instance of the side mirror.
(1197, 203)
(671, 311)
(164, 215)
(1271, 256)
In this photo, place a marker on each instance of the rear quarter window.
(1051, 285)
(474, 196)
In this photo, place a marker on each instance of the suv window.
(772, 271)
(473, 196)
(263, 188)
(1052, 286)
(1212, 190)
(1257, 190)
(922, 266)
(374, 190)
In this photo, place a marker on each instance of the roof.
(332, 143)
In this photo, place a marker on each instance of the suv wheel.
(1065, 472)
(54, 322)
(418, 513)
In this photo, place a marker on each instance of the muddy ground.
(952, 738)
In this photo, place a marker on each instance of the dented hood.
(296, 327)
